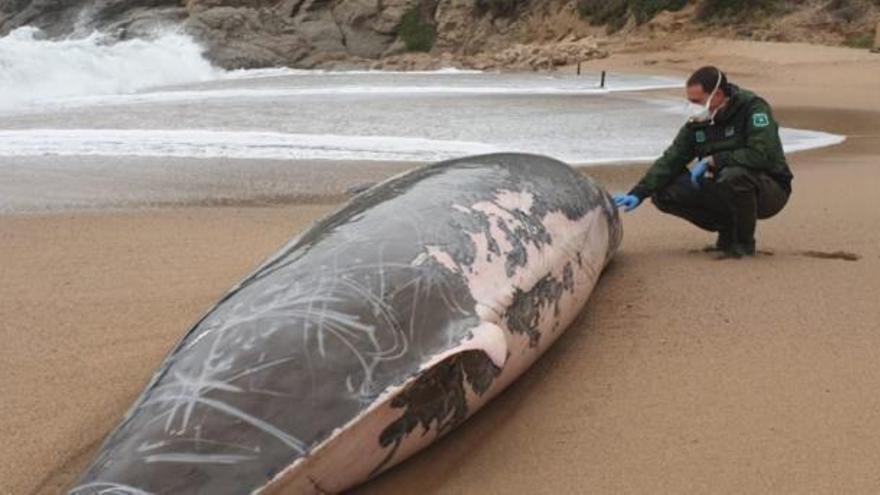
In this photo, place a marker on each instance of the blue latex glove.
(698, 173)
(628, 202)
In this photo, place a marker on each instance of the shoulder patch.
(700, 136)
(760, 119)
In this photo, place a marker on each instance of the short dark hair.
(707, 78)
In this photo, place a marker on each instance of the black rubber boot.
(723, 243)
(738, 250)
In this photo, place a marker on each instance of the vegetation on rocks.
(615, 13)
(737, 10)
(499, 8)
(417, 33)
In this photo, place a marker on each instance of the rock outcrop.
(532, 34)
(71, 17)
(307, 33)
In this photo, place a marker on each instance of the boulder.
(356, 21)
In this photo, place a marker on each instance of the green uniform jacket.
(743, 134)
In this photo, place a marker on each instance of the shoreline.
(337, 184)
(53, 183)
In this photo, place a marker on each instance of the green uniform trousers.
(731, 203)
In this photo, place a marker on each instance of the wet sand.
(683, 374)
(87, 183)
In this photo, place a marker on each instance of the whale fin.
(441, 395)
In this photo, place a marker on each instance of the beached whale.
(377, 330)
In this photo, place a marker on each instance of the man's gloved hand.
(698, 173)
(628, 202)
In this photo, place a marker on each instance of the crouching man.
(740, 174)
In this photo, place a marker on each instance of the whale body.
(364, 339)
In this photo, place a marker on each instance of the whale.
(374, 332)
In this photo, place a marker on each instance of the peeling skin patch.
(442, 257)
(438, 399)
(513, 227)
(525, 313)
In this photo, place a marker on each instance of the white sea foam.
(794, 140)
(200, 143)
(35, 70)
(285, 71)
(352, 90)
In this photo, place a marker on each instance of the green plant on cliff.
(611, 12)
(499, 8)
(847, 11)
(645, 10)
(859, 41)
(417, 33)
(615, 13)
(737, 10)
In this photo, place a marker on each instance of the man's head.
(708, 87)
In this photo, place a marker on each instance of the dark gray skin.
(315, 335)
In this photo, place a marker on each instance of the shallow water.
(366, 116)
(192, 115)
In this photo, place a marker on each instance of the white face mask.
(704, 113)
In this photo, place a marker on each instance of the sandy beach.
(683, 374)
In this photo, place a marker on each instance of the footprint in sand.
(823, 255)
(836, 255)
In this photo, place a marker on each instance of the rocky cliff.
(407, 34)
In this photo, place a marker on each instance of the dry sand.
(683, 375)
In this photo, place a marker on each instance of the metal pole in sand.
(876, 48)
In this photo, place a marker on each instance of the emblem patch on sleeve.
(700, 136)
(760, 120)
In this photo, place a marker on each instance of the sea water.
(160, 101)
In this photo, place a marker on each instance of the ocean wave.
(345, 90)
(37, 70)
(200, 143)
